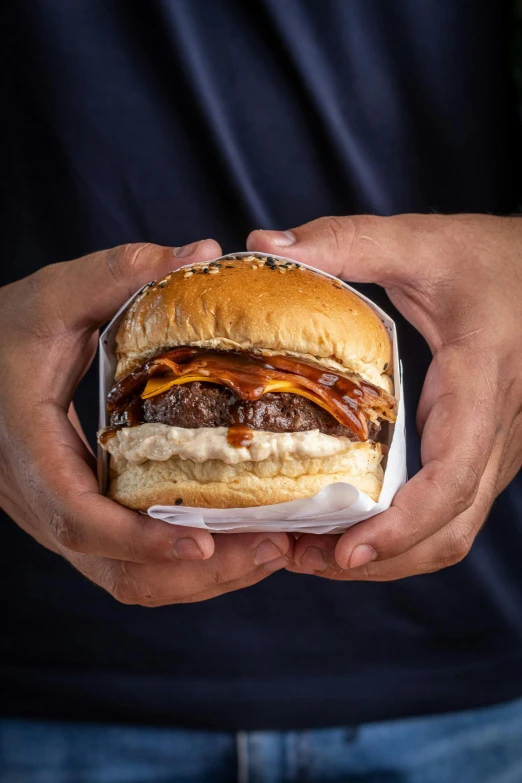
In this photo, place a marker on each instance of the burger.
(244, 382)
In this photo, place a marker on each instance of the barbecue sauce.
(238, 434)
(108, 433)
(247, 375)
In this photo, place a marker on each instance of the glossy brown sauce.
(107, 434)
(247, 375)
(240, 435)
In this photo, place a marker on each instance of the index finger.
(63, 493)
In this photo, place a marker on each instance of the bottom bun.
(214, 484)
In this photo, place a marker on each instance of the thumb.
(91, 289)
(362, 248)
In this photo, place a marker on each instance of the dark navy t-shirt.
(175, 120)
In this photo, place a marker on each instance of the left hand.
(48, 325)
(458, 280)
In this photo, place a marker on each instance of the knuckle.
(460, 542)
(123, 593)
(466, 482)
(228, 566)
(401, 530)
(41, 309)
(128, 590)
(65, 530)
(220, 574)
(405, 533)
(456, 485)
(144, 547)
(340, 231)
(123, 261)
(149, 541)
(153, 551)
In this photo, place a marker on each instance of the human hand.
(458, 280)
(48, 337)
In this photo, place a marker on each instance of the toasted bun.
(214, 484)
(244, 304)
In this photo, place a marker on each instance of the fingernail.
(281, 238)
(313, 559)
(275, 565)
(186, 250)
(187, 549)
(361, 555)
(266, 552)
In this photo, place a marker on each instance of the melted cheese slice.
(158, 385)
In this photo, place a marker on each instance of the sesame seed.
(214, 271)
(229, 266)
(178, 501)
(212, 263)
(272, 267)
(270, 262)
(253, 266)
(187, 274)
(283, 271)
(270, 259)
(298, 266)
(205, 270)
(219, 265)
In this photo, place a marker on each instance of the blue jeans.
(479, 746)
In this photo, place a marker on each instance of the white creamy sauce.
(161, 441)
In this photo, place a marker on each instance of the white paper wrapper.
(333, 510)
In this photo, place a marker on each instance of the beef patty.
(199, 404)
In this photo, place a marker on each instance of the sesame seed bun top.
(258, 303)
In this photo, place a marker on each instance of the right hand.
(48, 337)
